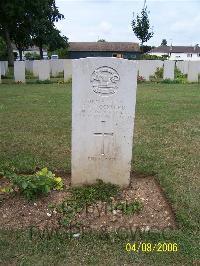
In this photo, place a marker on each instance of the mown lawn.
(35, 131)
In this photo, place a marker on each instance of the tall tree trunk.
(142, 48)
(9, 47)
(41, 52)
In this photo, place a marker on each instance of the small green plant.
(29, 74)
(32, 186)
(179, 76)
(159, 72)
(158, 75)
(90, 194)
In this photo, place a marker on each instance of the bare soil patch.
(17, 213)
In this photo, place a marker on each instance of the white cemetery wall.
(103, 111)
(19, 71)
(44, 70)
(67, 65)
(168, 72)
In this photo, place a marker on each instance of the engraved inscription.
(103, 134)
(104, 81)
(95, 158)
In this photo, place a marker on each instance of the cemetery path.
(16, 212)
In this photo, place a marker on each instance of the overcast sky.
(178, 21)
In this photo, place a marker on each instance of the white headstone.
(103, 111)
(44, 70)
(182, 66)
(193, 71)
(148, 67)
(29, 65)
(168, 72)
(3, 68)
(19, 71)
(6, 66)
(67, 65)
(56, 66)
(35, 66)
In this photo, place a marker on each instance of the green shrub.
(32, 186)
(29, 74)
(31, 56)
(153, 57)
(159, 72)
(158, 76)
(179, 76)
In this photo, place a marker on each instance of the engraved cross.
(103, 134)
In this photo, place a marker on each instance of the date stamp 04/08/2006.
(151, 247)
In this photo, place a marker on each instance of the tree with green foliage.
(56, 41)
(141, 26)
(164, 42)
(22, 38)
(10, 11)
(101, 40)
(27, 22)
(43, 29)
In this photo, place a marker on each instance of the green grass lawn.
(35, 131)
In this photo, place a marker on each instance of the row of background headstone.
(54, 66)
(147, 68)
(43, 68)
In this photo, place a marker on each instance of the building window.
(189, 55)
(118, 55)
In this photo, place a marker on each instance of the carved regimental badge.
(104, 80)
